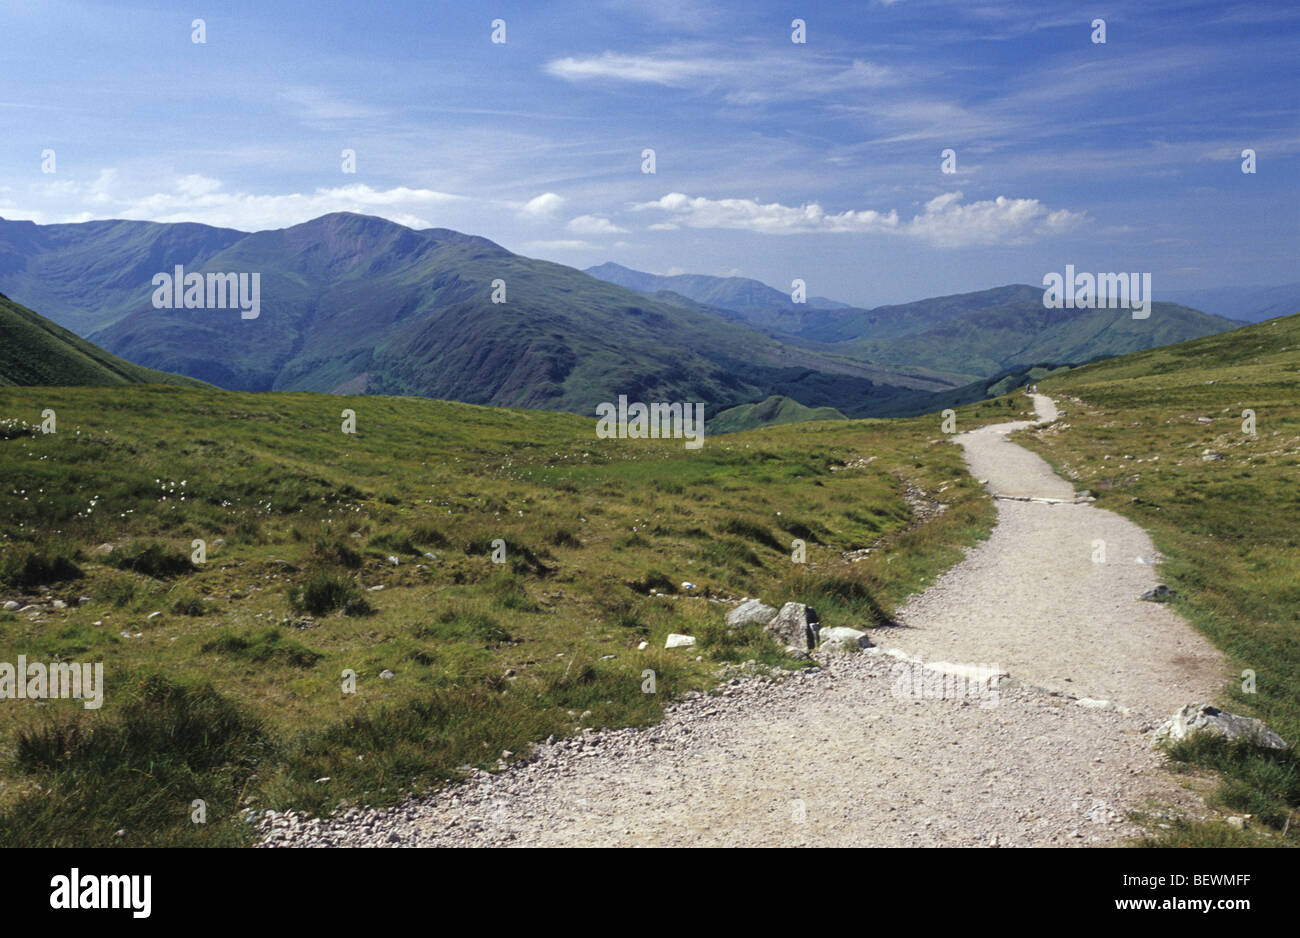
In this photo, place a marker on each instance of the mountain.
(353, 303)
(774, 410)
(961, 338)
(87, 275)
(1248, 304)
(35, 351)
(992, 340)
(741, 294)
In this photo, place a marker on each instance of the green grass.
(300, 524)
(1226, 526)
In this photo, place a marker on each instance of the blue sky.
(774, 160)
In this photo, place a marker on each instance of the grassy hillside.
(233, 693)
(771, 412)
(34, 351)
(1158, 437)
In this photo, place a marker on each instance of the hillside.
(961, 338)
(373, 552)
(741, 294)
(1163, 437)
(34, 351)
(359, 304)
(993, 339)
(775, 410)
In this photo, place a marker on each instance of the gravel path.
(1033, 599)
(874, 749)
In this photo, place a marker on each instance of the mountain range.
(358, 304)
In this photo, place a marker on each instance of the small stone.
(154, 615)
(843, 639)
(679, 641)
(387, 675)
(1161, 594)
(1237, 823)
(1208, 719)
(11, 605)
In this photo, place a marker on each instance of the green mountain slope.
(774, 410)
(1023, 332)
(962, 338)
(35, 351)
(360, 304)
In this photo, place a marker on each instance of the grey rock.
(750, 611)
(1161, 594)
(387, 675)
(679, 641)
(843, 639)
(1205, 718)
(796, 624)
(11, 605)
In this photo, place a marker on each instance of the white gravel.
(839, 757)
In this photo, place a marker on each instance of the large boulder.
(751, 610)
(843, 639)
(1205, 718)
(796, 624)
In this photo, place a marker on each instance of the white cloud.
(758, 77)
(543, 206)
(657, 70)
(196, 198)
(945, 221)
(769, 218)
(594, 225)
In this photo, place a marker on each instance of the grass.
(1160, 437)
(330, 555)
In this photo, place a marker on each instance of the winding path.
(839, 758)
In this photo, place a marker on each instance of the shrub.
(324, 591)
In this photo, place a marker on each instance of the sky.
(819, 160)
